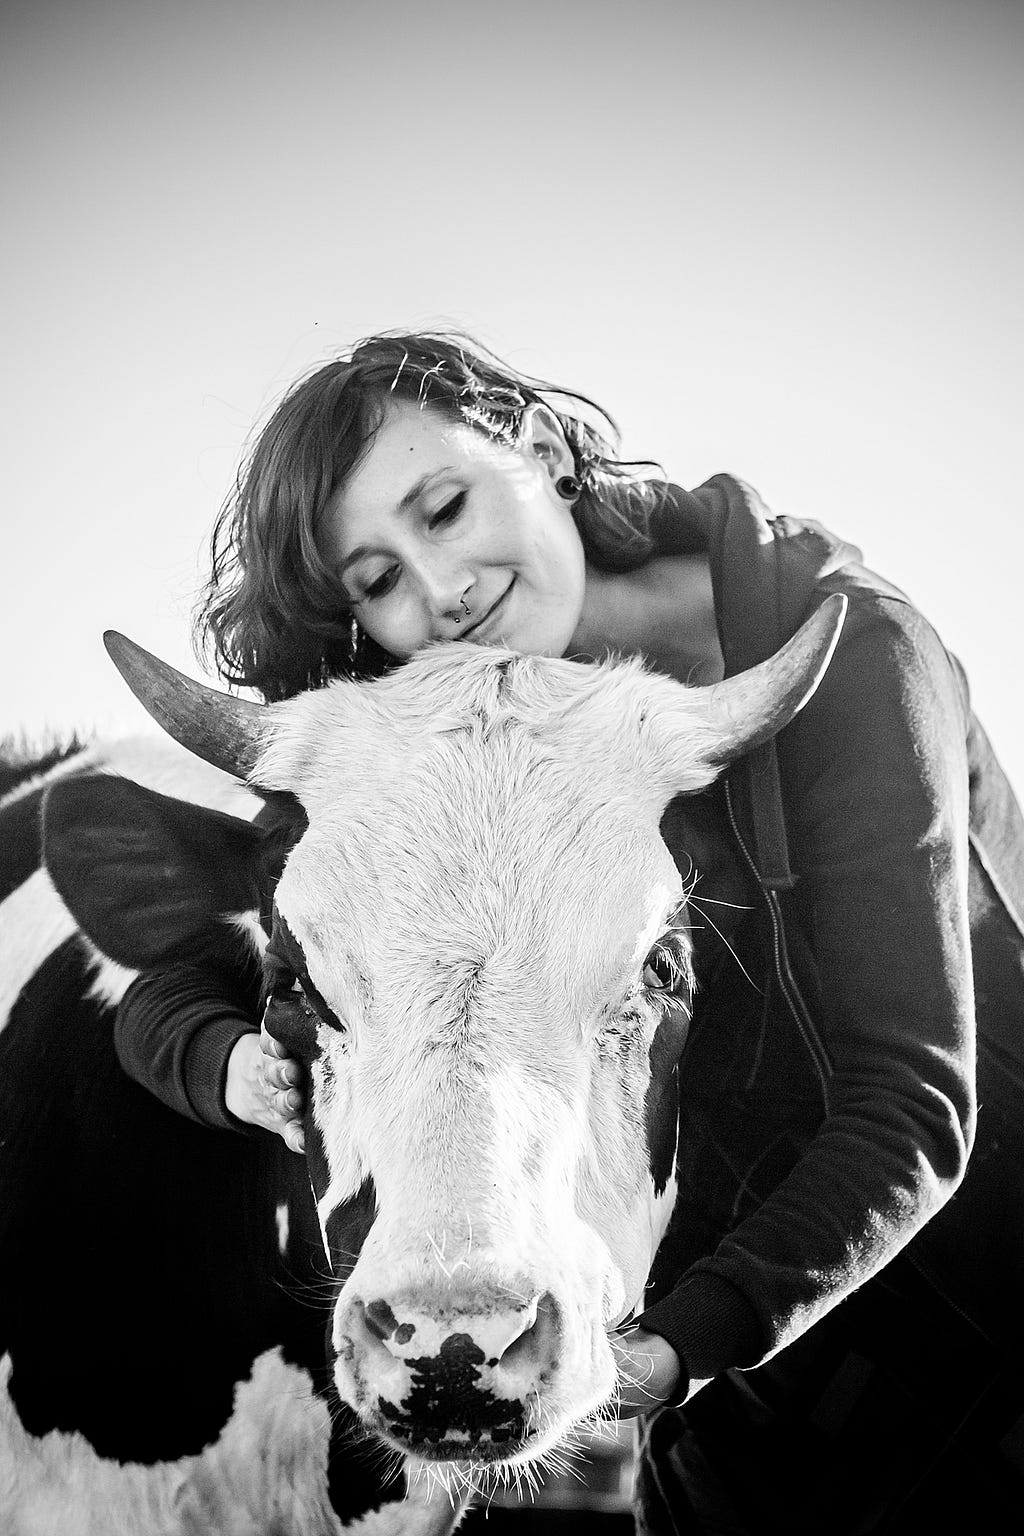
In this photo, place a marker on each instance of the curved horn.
(217, 727)
(753, 706)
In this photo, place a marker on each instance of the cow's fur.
(93, 1172)
(265, 1475)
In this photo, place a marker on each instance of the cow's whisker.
(728, 946)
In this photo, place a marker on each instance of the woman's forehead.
(411, 441)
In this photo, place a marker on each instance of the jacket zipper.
(788, 985)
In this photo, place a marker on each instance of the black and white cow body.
(148, 1260)
(480, 953)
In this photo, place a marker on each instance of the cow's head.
(479, 952)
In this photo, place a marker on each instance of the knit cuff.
(205, 1069)
(710, 1325)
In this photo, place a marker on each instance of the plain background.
(780, 239)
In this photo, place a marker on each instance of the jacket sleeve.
(174, 1032)
(876, 784)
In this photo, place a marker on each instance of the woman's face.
(438, 518)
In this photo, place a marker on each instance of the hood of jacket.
(768, 574)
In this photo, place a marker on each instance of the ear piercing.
(568, 487)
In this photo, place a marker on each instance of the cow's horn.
(751, 707)
(217, 727)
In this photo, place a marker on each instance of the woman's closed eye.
(381, 585)
(447, 513)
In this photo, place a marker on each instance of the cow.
(467, 885)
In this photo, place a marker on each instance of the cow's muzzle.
(449, 1376)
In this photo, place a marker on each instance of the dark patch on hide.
(166, 1279)
(22, 842)
(383, 1322)
(149, 877)
(285, 957)
(347, 1226)
(22, 819)
(661, 1107)
(696, 832)
(447, 1397)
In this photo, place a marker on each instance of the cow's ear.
(147, 877)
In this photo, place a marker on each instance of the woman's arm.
(875, 775)
(189, 1035)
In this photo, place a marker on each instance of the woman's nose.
(445, 594)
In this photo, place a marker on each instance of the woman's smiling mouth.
(487, 621)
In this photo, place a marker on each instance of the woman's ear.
(541, 436)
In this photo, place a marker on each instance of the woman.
(419, 491)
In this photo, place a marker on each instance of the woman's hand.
(262, 1087)
(649, 1371)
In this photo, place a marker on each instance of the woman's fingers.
(284, 1100)
(264, 1087)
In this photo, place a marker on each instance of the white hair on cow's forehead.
(613, 712)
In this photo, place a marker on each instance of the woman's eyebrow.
(416, 490)
(360, 551)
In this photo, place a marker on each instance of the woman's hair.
(272, 612)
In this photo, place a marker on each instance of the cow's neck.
(663, 611)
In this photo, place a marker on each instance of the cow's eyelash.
(281, 980)
(673, 953)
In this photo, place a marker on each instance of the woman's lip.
(482, 623)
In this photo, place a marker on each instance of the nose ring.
(457, 616)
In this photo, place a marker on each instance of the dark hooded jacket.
(873, 997)
(873, 856)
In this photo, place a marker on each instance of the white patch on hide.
(33, 923)
(266, 1473)
(281, 1217)
(79, 762)
(248, 926)
(662, 1207)
(109, 981)
(332, 1114)
(157, 762)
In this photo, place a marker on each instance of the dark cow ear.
(147, 877)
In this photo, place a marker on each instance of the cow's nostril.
(534, 1339)
(519, 1342)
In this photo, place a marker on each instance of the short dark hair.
(272, 612)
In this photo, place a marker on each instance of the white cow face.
(478, 953)
(487, 927)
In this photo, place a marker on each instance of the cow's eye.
(286, 990)
(662, 970)
(293, 1002)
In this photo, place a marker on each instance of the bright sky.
(784, 239)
